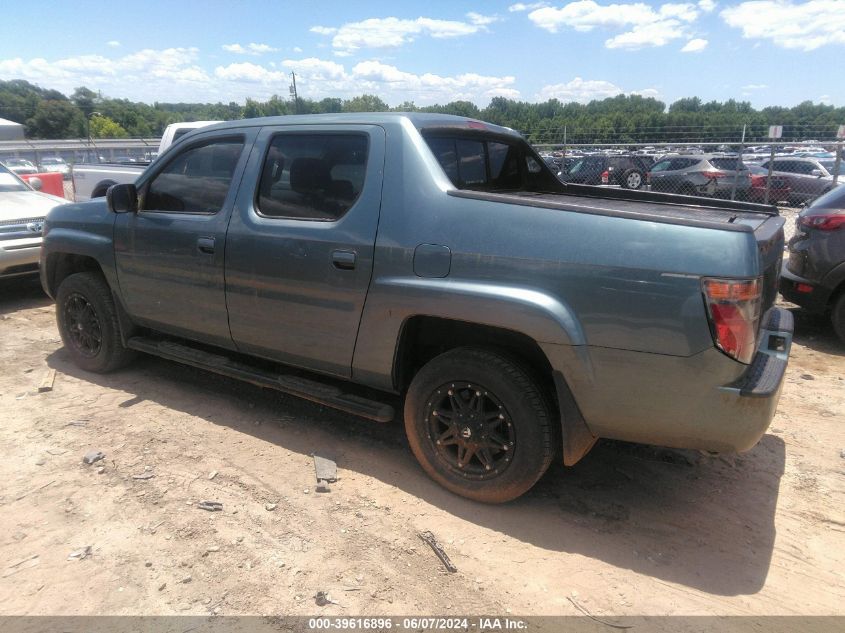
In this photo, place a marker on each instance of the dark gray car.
(701, 175)
(814, 274)
(808, 178)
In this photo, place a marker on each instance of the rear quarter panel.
(623, 284)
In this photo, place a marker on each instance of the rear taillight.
(825, 222)
(714, 174)
(605, 177)
(733, 306)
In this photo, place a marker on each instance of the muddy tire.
(479, 425)
(87, 320)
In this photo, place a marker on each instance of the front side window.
(830, 166)
(805, 168)
(312, 176)
(197, 180)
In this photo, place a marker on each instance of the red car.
(778, 189)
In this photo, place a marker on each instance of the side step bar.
(312, 390)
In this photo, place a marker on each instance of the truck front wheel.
(479, 425)
(87, 321)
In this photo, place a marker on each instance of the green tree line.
(49, 114)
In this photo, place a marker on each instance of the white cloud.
(249, 49)
(394, 32)
(648, 93)
(175, 75)
(806, 26)
(163, 73)
(521, 6)
(250, 73)
(694, 46)
(707, 5)
(482, 20)
(755, 87)
(584, 91)
(296, 49)
(825, 100)
(113, 43)
(647, 25)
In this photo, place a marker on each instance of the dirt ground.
(631, 530)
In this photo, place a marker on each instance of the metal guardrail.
(79, 150)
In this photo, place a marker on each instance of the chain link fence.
(729, 162)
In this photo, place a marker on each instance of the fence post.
(738, 163)
(563, 162)
(837, 163)
(769, 177)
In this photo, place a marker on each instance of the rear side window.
(480, 164)
(197, 180)
(663, 165)
(726, 163)
(684, 163)
(312, 176)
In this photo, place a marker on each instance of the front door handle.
(206, 245)
(343, 260)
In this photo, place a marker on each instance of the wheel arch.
(59, 266)
(835, 280)
(100, 189)
(424, 337)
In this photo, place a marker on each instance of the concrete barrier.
(50, 183)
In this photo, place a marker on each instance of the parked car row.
(793, 180)
(24, 167)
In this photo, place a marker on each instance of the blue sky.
(769, 52)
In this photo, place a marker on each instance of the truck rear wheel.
(87, 321)
(479, 425)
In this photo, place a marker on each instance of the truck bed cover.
(653, 207)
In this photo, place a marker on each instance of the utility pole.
(88, 125)
(293, 93)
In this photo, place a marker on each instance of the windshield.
(10, 182)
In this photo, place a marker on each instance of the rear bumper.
(816, 300)
(707, 401)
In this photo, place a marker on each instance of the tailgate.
(770, 242)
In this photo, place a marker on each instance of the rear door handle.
(205, 245)
(343, 260)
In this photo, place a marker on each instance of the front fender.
(82, 230)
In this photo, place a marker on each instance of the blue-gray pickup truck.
(338, 257)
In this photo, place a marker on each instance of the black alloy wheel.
(470, 430)
(83, 325)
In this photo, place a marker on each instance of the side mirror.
(122, 198)
(817, 173)
(35, 183)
